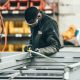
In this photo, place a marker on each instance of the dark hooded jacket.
(45, 36)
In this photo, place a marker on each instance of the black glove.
(27, 47)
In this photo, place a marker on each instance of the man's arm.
(52, 48)
(52, 39)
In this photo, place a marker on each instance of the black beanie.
(31, 14)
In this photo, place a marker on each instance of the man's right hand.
(27, 48)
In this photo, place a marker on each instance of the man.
(44, 32)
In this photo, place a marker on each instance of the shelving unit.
(21, 5)
(14, 11)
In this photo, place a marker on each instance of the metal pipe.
(29, 1)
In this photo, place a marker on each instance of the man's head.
(32, 16)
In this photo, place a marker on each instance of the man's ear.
(39, 16)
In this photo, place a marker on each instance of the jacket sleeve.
(52, 39)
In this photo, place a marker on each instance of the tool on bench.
(50, 59)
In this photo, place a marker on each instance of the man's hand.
(27, 48)
(37, 50)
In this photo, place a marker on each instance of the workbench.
(22, 66)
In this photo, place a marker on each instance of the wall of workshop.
(69, 14)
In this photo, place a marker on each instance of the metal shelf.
(18, 6)
(16, 39)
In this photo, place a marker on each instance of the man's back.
(47, 27)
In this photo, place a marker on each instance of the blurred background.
(14, 31)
